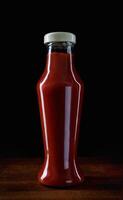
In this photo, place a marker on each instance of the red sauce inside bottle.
(60, 95)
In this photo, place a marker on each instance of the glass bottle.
(60, 96)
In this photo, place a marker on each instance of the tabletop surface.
(103, 181)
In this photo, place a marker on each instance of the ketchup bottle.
(60, 96)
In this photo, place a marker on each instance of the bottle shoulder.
(65, 79)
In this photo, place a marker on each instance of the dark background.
(98, 32)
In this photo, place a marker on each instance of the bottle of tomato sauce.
(60, 96)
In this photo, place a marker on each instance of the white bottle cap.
(59, 37)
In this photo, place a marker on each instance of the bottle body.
(60, 96)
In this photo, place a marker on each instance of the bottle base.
(61, 185)
(61, 181)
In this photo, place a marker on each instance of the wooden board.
(103, 180)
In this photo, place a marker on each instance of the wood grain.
(103, 181)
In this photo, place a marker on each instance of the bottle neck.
(64, 47)
(60, 55)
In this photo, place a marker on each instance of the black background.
(98, 32)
